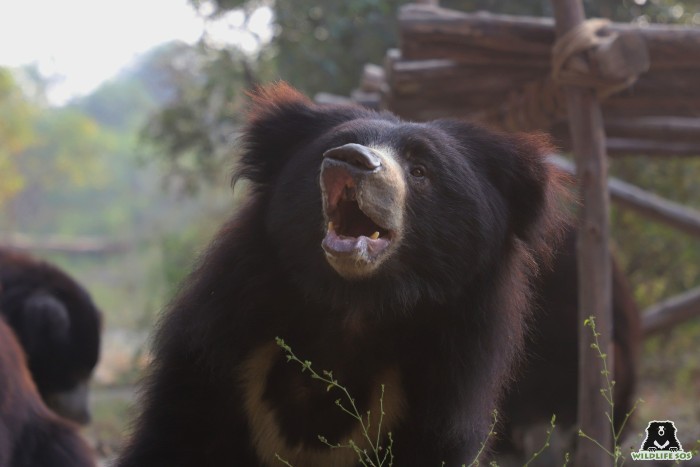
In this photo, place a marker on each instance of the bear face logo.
(661, 436)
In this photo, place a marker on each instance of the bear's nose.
(356, 155)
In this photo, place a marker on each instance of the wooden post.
(588, 135)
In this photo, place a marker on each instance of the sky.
(81, 43)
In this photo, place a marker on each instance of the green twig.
(378, 457)
(607, 393)
(535, 455)
(491, 433)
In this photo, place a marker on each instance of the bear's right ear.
(279, 121)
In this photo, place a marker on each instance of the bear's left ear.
(280, 120)
(537, 192)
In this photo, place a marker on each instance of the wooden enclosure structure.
(599, 88)
(479, 66)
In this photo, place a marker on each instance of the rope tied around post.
(592, 55)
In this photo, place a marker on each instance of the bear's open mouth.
(350, 230)
(348, 220)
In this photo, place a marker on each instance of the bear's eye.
(418, 171)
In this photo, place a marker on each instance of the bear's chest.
(287, 410)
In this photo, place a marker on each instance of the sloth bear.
(30, 434)
(388, 252)
(58, 326)
(661, 436)
(548, 383)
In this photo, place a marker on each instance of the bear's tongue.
(360, 246)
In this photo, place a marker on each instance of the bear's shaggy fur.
(391, 253)
(58, 326)
(30, 434)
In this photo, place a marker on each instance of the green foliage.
(659, 260)
(45, 154)
(378, 455)
(120, 104)
(71, 172)
(16, 132)
(492, 432)
(322, 46)
(316, 46)
(193, 131)
(607, 392)
(550, 430)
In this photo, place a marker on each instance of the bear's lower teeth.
(331, 228)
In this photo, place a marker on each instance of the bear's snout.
(358, 157)
(363, 192)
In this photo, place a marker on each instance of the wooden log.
(671, 47)
(392, 56)
(73, 245)
(657, 130)
(372, 79)
(643, 106)
(326, 98)
(669, 129)
(661, 147)
(425, 30)
(594, 267)
(679, 89)
(430, 85)
(617, 147)
(645, 203)
(659, 84)
(655, 207)
(371, 100)
(655, 145)
(666, 83)
(420, 113)
(428, 32)
(671, 312)
(421, 109)
(488, 107)
(445, 78)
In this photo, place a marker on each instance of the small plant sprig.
(284, 461)
(607, 393)
(550, 430)
(696, 449)
(484, 443)
(492, 432)
(377, 455)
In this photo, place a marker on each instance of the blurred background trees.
(322, 46)
(144, 161)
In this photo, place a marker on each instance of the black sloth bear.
(661, 436)
(391, 253)
(30, 434)
(57, 324)
(548, 383)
